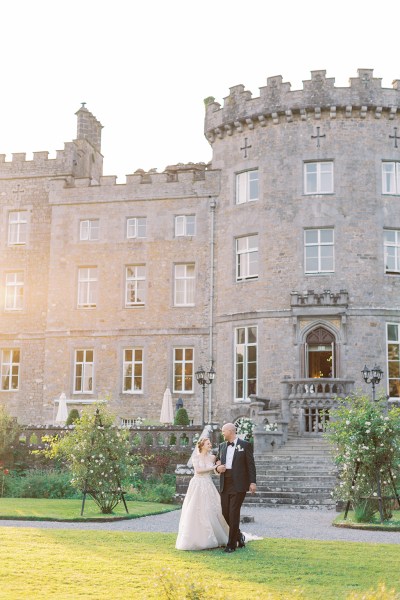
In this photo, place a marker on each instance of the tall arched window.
(320, 353)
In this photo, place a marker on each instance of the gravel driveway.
(268, 522)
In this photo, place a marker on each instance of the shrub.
(9, 430)
(366, 444)
(153, 489)
(40, 484)
(98, 455)
(73, 416)
(181, 417)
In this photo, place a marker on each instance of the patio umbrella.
(62, 412)
(167, 411)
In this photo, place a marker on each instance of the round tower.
(307, 243)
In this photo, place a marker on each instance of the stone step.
(327, 479)
(289, 502)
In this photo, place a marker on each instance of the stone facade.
(264, 295)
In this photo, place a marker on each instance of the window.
(391, 178)
(247, 258)
(393, 358)
(183, 370)
(247, 186)
(14, 299)
(83, 371)
(245, 362)
(318, 178)
(133, 370)
(318, 251)
(135, 282)
(89, 230)
(136, 227)
(184, 285)
(17, 227)
(185, 225)
(87, 287)
(392, 250)
(10, 360)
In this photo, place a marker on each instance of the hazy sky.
(144, 68)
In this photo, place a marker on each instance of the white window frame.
(84, 371)
(135, 283)
(87, 287)
(315, 181)
(14, 291)
(10, 367)
(17, 227)
(89, 230)
(136, 228)
(241, 368)
(320, 245)
(183, 370)
(185, 225)
(247, 258)
(395, 245)
(132, 371)
(391, 177)
(395, 360)
(184, 284)
(247, 186)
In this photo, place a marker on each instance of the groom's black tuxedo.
(243, 467)
(234, 484)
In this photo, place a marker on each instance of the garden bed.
(392, 524)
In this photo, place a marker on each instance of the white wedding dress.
(202, 524)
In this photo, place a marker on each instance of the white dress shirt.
(229, 454)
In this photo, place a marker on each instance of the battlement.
(75, 159)
(277, 103)
(177, 181)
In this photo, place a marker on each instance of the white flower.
(368, 422)
(347, 422)
(367, 431)
(374, 494)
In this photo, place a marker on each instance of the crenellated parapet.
(319, 96)
(177, 181)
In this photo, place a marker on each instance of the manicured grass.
(70, 510)
(52, 563)
(392, 525)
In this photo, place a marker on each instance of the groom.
(237, 476)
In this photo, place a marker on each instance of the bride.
(202, 524)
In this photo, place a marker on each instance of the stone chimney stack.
(88, 127)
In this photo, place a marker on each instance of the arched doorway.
(320, 354)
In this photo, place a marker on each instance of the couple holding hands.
(209, 519)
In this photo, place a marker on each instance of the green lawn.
(70, 510)
(392, 524)
(52, 563)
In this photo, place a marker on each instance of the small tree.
(9, 430)
(99, 457)
(366, 446)
(73, 416)
(181, 417)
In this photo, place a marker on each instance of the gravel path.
(268, 522)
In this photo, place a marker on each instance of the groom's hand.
(252, 488)
(221, 469)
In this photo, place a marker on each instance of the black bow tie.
(231, 443)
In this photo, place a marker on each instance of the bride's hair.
(201, 443)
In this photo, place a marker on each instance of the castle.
(278, 263)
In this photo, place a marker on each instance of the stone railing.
(307, 402)
(176, 437)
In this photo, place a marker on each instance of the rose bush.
(365, 436)
(99, 457)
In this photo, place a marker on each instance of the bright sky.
(144, 67)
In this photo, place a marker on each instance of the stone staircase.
(300, 474)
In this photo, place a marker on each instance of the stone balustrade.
(175, 437)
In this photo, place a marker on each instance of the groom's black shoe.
(241, 541)
(229, 549)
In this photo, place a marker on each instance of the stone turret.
(88, 127)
